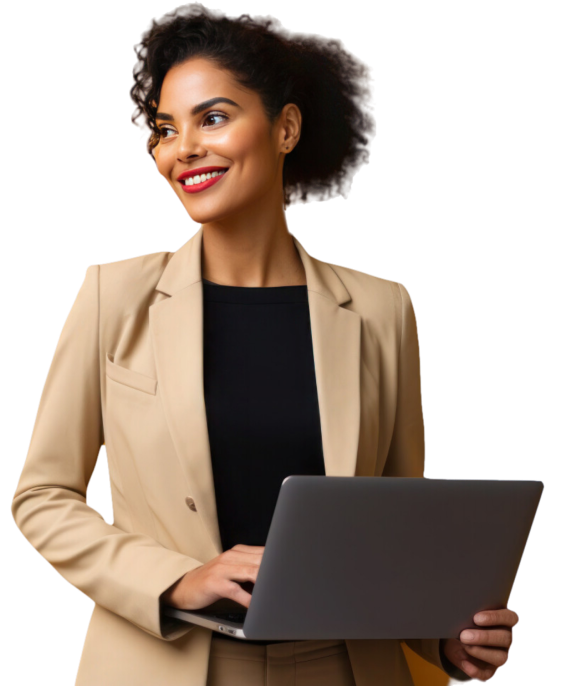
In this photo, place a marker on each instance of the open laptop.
(381, 557)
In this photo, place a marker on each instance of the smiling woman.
(247, 79)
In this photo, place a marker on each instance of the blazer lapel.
(176, 325)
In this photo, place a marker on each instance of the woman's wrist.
(171, 595)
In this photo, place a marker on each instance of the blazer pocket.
(129, 377)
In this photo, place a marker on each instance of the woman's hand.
(217, 579)
(480, 651)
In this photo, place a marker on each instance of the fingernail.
(467, 635)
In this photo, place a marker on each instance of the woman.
(213, 372)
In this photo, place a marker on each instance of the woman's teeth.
(192, 180)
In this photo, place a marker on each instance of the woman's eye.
(215, 114)
(163, 131)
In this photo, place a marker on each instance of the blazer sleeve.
(406, 456)
(406, 450)
(124, 572)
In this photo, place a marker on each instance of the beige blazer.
(127, 373)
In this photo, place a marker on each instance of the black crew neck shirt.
(261, 401)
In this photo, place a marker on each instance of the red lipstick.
(202, 185)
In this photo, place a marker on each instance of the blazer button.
(190, 504)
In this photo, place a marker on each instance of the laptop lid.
(388, 557)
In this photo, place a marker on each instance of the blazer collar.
(176, 325)
(184, 269)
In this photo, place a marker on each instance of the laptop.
(381, 558)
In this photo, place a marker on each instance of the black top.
(261, 403)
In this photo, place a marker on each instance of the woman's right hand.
(217, 579)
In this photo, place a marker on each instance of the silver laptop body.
(381, 558)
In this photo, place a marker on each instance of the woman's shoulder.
(384, 305)
(372, 295)
(132, 280)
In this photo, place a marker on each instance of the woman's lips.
(197, 188)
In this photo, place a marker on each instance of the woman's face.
(196, 133)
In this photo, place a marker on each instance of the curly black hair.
(328, 84)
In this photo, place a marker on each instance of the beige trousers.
(294, 663)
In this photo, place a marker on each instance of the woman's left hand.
(481, 650)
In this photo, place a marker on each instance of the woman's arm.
(123, 572)
(406, 450)
(406, 456)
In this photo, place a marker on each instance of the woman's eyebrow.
(198, 108)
